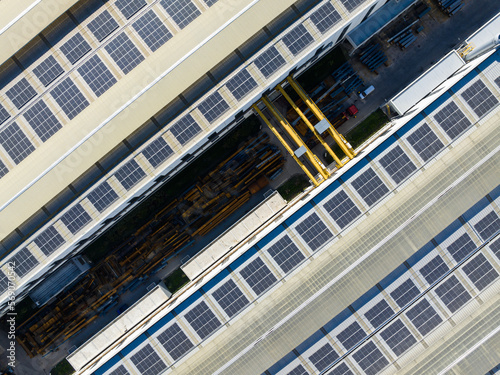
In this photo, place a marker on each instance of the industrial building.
(390, 266)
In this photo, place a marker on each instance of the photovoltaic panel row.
(370, 187)
(48, 70)
(76, 218)
(69, 97)
(488, 225)
(453, 293)
(97, 75)
(325, 17)
(203, 320)
(297, 39)
(424, 317)
(185, 129)
(452, 120)
(183, 12)
(299, 370)
(42, 120)
(461, 247)
(480, 272)
(148, 362)
(21, 93)
(323, 357)
(258, 276)
(75, 48)
(157, 152)
(352, 4)
(370, 359)
(102, 196)
(405, 293)
(434, 269)
(351, 335)
(210, 2)
(286, 254)
(175, 341)
(379, 313)
(49, 240)
(130, 174)
(479, 98)
(3, 169)
(15, 143)
(213, 107)
(120, 370)
(397, 164)
(398, 337)
(4, 115)
(124, 52)
(4, 283)
(24, 261)
(241, 84)
(230, 298)
(152, 30)
(130, 7)
(425, 142)
(269, 62)
(314, 232)
(103, 25)
(342, 209)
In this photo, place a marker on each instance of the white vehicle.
(367, 92)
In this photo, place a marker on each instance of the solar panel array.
(75, 48)
(299, 370)
(76, 218)
(379, 313)
(3, 169)
(351, 335)
(4, 115)
(124, 53)
(479, 98)
(157, 152)
(48, 70)
(49, 240)
(480, 272)
(350, 5)
(69, 97)
(210, 2)
(370, 359)
(397, 164)
(424, 317)
(323, 357)
(269, 62)
(175, 341)
(21, 93)
(488, 225)
(185, 129)
(213, 107)
(15, 143)
(152, 30)
(434, 269)
(130, 7)
(286, 254)
(102, 196)
(120, 370)
(314, 232)
(183, 12)
(452, 120)
(103, 25)
(4, 283)
(325, 17)
(461, 247)
(425, 142)
(342, 209)
(97, 75)
(495, 247)
(258, 276)
(453, 293)
(42, 120)
(24, 262)
(203, 320)
(297, 39)
(370, 187)
(241, 84)
(341, 369)
(147, 361)
(130, 174)
(405, 293)
(230, 298)
(398, 337)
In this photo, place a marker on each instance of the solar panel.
(325, 17)
(48, 70)
(286, 254)
(370, 187)
(452, 293)
(129, 7)
(342, 209)
(97, 75)
(379, 313)
(69, 97)
(130, 174)
(299, 370)
(351, 335)
(42, 120)
(258, 276)
(497, 81)
(404, 293)
(175, 341)
(213, 107)
(24, 261)
(76, 218)
(3, 169)
(120, 370)
(350, 5)
(461, 247)
(203, 320)
(479, 98)
(4, 283)
(102, 196)
(397, 164)
(297, 39)
(314, 231)
(148, 362)
(183, 12)
(185, 129)
(230, 298)
(323, 357)
(210, 2)
(4, 115)
(103, 25)
(424, 317)
(241, 84)
(488, 225)
(425, 142)
(452, 120)
(157, 152)
(75, 48)
(434, 269)
(21, 93)
(495, 247)
(49, 240)
(398, 337)
(370, 359)
(341, 369)
(480, 271)
(269, 62)
(124, 52)
(152, 30)
(15, 143)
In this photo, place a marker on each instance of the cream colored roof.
(22, 20)
(173, 68)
